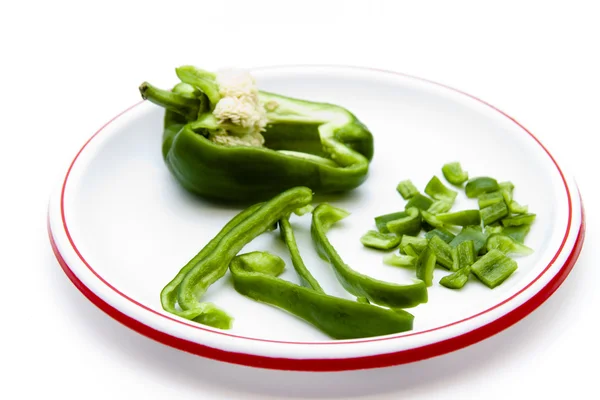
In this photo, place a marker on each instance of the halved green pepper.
(318, 145)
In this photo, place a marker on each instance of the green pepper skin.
(376, 291)
(255, 275)
(317, 145)
(214, 265)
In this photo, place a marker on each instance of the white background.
(69, 67)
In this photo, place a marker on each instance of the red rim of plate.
(338, 364)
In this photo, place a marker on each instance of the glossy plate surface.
(121, 227)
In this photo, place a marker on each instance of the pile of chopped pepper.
(488, 237)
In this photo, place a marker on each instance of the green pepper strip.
(287, 234)
(204, 313)
(255, 275)
(378, 292)
(213, 266)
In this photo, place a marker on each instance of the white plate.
(121, 226)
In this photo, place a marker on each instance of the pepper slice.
(517, 220)
(400, 260)
(378, 292)
(255, 275)
(463, 255)
(470, 233)
(318, 145)
(214, 265)
(442, 251)
(409, 225)
(382, 220)
(380, 241)
(517, 233)
(444, 234)
(508, 246)
(436, 189)
(493, 213)
(462, 218)
(494, 268)
(457, 279)
(454, 173)
(417, 243)
(478, 186)
(287, 234)
(419, 201)
(204, 313)
(426, 265)
(407, 189)
(488, 199)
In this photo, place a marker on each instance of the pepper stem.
(186, 106)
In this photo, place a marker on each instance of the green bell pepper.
(248, 154)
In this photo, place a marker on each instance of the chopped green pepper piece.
(255, 275)
(410, 250)
(419, 201)
(400, 260)
(432, 220)
(442, 251)
(488, 199)
(470, 233)
(493, 213)
(523, 219)
(457, 279)
(507, 186)
(411, 224)
(439, 206)
(418, 243)
(462, 218)
(287, 234)
(508, 246)
(381, 241)
(444, 234)
(478, 186)
(507, 196)
(516, 208)
(493, 268)
(517, 233)
(463, 255)
(493, 229)
(379, 292)
(425, 266)
(382, 220)
(454, 173)
(436, 189)
(407, 190)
